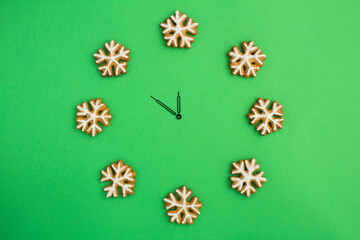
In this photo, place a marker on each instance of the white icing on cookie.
(123, 177)
(172, 33)
(250, 61)
(184, 211)
(88, 119)
(117, 52)
(269, 122)
(243, 183)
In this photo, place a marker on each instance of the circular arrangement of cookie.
(179, 31)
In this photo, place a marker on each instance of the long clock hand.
(164, 106)
(178, 115)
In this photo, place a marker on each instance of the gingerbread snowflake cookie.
(246, 169)
(270, 120)
(122, 176)
(88, 119)
(181, 210)
(248, 62)
(174, 29)
(114, 59)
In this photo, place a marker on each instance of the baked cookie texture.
(181, 210)
(88, 119)
(270, 120)
(174, 29)
(248, 62)
(114, 59)
(246, 169)
(122, 176)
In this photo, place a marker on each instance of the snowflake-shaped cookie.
(177, 30)
(247, 63)
(88, 119)
(121, 176)
(183, 212)
(247, 176)
(268, 123)
(117, 52)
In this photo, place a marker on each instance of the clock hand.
(164, 106)
(178, 104)
(178, 115)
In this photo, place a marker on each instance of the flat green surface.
(50, 171)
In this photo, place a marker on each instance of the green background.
(50, 171)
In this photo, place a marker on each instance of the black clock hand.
(178, 116)
(178, 104)
(164, 106)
